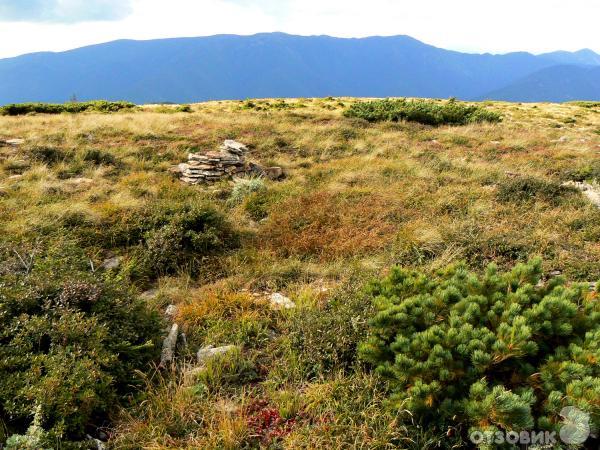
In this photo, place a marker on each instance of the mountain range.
(183, 70)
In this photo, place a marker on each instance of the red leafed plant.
(265, 422)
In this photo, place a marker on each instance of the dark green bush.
(181, 238)
(48, 155)
(427, 112)
(98, 157)
(500, 351)
(528, 188)
(71, 344)
(184, 108)
(104, 106)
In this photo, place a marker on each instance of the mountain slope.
(585, 57)
(553, 84)
(264, 65)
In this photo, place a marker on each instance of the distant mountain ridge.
(280, 65)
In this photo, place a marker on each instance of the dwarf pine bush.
(496, 352)
(19, 109)
(427, 112)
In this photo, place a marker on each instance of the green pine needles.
(427, 112)
(497, 352)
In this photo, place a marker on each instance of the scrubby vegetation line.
(19, 109)
(407, 283)
(427, 112)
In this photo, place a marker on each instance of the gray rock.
(171, 311)
(80, 180)
(149, 294)
(12, 142)
(96, 443)
(273, 173)
(231, 146)
(279, 301)
(208, 352)
(591, 191)
(111, 263)
(168, 350)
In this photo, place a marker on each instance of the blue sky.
(465, 25)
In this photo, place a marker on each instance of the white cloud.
(63, 11)
(467, 25)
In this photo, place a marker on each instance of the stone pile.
(214, 166)
(230, 161)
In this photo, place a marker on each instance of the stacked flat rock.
(214, 166)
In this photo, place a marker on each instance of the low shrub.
(184, 109)
(98, 157)
(48, 155)
(72, 343)
(19, 109)
(228, 370)
(244, 187)
(497, 352)
(528, 188)
(589, 172)
(323, 341)
(182, 238)
(427, 112)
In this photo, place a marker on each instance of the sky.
(475, 26)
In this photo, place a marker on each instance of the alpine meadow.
(300, 273)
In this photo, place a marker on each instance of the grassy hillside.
(358, 198)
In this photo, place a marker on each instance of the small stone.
(168, 350)
(171, 311)
(280, 301)
(80, 180)
(189, 180)
(273, 173)
(96, 443)
(208, 352)
(149, 294)
(15, 177)
(555, 273)
(495, 142)
(102, 436)
(591, 191)
(196, 165)
(593, 286)
(234, 147)
(111, 263)
(14, 142)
